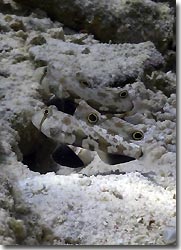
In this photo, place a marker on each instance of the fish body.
(104, 99)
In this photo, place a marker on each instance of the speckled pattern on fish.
(67, 129)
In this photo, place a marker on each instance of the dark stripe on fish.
(65, 156)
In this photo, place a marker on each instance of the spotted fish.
(113, 125)
(103, 99)
(68, 129)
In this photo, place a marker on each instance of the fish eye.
(123, 94)
(93, 118)
(46, 112)
(84, 83)
(137, 135)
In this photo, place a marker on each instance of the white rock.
(170, 235)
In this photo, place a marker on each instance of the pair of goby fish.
(91, 122)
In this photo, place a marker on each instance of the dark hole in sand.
(43, 155)
(65, 105)
(36, 150)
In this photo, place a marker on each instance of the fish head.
(114, 100)
(55, 125)
(113, 125)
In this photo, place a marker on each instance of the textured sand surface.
(133, 203)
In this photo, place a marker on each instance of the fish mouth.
(114, 159)
(130, 111)
(117, 159)
(131, 107)
(141, 154)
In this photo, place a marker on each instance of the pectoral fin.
(65, 156)
(114, 159)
